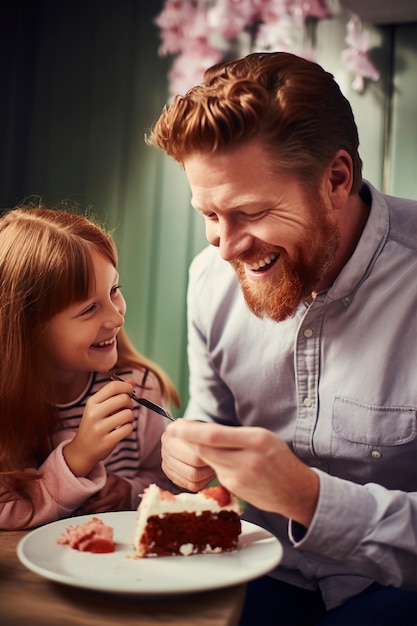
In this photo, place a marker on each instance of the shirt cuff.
(77, 488)
(344, 511)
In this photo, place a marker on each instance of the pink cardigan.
(57, 494)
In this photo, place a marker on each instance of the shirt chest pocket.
(374, 441)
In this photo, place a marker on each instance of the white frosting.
(186, 549)
(153, 504)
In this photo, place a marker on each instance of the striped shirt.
(125, 457)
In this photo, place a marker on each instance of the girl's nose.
(115, 317)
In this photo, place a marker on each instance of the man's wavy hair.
(293, 106)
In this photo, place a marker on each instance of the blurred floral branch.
(200, 33)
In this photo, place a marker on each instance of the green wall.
(83, 83)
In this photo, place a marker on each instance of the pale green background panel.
(370, 106)
(84, 86)
(403, 149)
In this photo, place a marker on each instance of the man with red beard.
(305, 339)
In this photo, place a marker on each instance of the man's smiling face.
(279, 239)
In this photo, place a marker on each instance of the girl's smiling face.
(82, 338)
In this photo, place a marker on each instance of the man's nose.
(231, 239)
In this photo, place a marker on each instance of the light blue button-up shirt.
(338, 382)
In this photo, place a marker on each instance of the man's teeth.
(264, 262)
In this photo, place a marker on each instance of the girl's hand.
(107, 418)
(114, 496)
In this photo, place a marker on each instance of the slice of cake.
(92, 536)
(187, 523)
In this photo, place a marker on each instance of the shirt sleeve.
(210, 398)
(367, 527)
(57, 494)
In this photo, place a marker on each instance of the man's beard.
(280, 298)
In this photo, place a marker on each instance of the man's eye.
(259, 215)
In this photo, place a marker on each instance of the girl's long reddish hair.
(45, 266)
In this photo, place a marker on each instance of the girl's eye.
(89, 310)
(115, 290)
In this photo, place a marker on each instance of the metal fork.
(143, 401)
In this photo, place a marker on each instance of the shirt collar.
(367, 250)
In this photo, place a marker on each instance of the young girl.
(71, 440)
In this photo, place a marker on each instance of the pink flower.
(231, 17)
(359, 64)
(172, 22)
(355, 57)
(313, 8)
(204, 32)
(275, 35)
(174, 13)
(188, 68)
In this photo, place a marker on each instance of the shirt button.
(347, 299)
(307, 402)
(375, 454)
(308, 332)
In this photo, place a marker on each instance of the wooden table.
(27, 599)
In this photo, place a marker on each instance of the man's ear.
(340, 175)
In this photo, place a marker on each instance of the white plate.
(120, 572)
